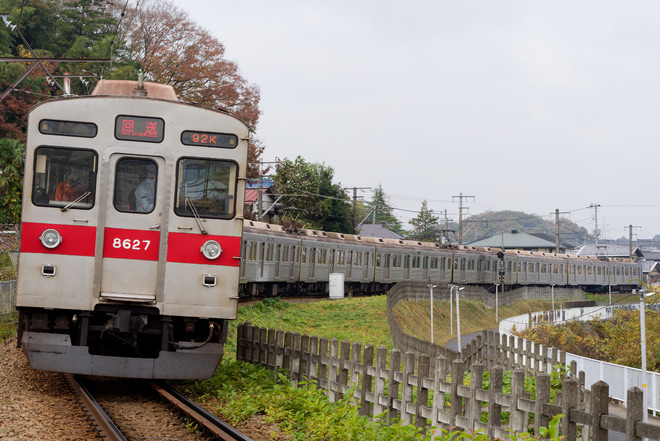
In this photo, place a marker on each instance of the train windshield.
(64, 177)
(207, 187)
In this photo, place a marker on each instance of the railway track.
(124, 410)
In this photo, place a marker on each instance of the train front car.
(132, 224)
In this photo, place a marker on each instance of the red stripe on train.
(185, 248)
(77, 240)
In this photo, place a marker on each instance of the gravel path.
(37, 404)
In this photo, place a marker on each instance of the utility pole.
(596, 230)
(260, 187)
(630, 240)
(355, 222)
(460, 215)
(557, 229)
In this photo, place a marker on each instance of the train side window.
(64, 177)
(135, 185)
(208, 185)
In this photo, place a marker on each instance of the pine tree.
(384, 213)
(425, 225)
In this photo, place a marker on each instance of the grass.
(414, 318)
(364, 319)
(8, 324)
(239, 391)
(361, 319)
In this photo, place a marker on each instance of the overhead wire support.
(460, 215)
(38, 61)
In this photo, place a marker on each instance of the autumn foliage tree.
(171, 49)
(615, 341)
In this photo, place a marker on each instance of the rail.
(210, 422)
(107, 428)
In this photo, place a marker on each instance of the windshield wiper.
(75, 201)
(197, 218)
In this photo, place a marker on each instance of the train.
(131, 231)
(277, 261)
(135, 252)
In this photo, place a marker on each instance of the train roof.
(129, 88)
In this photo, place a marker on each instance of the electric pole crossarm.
(54, 60)
(460, 215)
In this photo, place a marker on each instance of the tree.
(338, 209)
(12, 160)
(160, 39)
(314, 201)
(384, 213)
(425, 225)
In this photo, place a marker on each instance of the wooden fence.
(379, 384)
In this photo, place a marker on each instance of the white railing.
(619, 378)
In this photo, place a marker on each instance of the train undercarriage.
(114, 340)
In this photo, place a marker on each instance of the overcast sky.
(525, 105)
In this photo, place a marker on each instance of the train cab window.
(207, 187)
(64, 177)
(135, 185)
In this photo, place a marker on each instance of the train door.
(386, 266)
(312, 263)
(349, 265)
(293, 257)
(277, 260)
(331, 266)
(137, 198)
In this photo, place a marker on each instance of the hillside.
(493, 222)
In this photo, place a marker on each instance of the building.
(517, 240)
(269, 199)
(377, 230)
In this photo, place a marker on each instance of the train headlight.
(50, 238)
(211, 249)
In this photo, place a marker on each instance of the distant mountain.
(493, 222)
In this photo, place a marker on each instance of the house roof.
(608, 250)
(377, 230)
(514, 239)
(266, 183)
(651, 255)
(251, 196)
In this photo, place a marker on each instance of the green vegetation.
(239, 391)
(361, 319)
(414, 318)
(7, 269)
(8, 323)
(616, 341)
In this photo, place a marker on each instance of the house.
(269, 199)
(609, 250)
(377, 230)
(518, 240)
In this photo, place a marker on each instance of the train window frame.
(53, 182)
(142, 168)
(206, 206)
(44, 131)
